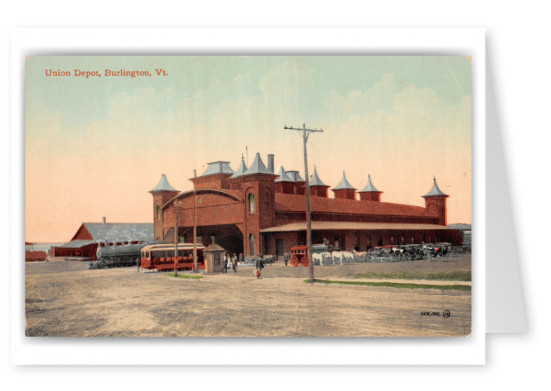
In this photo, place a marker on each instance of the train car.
(118, 253)
(36, 256)
(161, 257)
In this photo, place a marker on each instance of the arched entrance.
(227, 236)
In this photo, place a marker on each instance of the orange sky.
(94, 147)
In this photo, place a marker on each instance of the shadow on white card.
(504, 299)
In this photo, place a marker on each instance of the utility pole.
(305, 134)
(176, 242)
(195, 269)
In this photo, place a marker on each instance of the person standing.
(234, 263)
(259, 265)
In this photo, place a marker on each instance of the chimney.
(212, 239)
(194, 173)
(104, 220)
(271, 162)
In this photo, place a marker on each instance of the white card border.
(248, 351)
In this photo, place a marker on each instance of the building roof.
(120, 231)
(297, 203)
(315, 179)
(460, 226)
(435, 191)
(344, 184)
(295, 176)
(77, 244)
(369, 188)
(219, 167)
(163, 185)
(350, 225)
(258, 167)
(241, 170)
(283, 176)
(214, 247)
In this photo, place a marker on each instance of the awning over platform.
(346, 225)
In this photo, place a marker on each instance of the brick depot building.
(257, 211)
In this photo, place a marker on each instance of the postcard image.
(248, 196)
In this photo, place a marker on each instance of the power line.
(305, 134)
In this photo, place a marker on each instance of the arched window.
(412, 240)
(392, 240)
(158, 211)
(251, 203)
(251, 243)
(402, 240)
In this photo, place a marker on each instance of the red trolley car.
(161, 257)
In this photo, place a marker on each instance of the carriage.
(437, 251)
(299, 256)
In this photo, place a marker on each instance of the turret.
(258, 187)
(284, 184)
(162, 193)
(370, 192)
(344, 189)
(216, 176)
(235, 185)
(317, 187)
(435, 203)
(298, 181)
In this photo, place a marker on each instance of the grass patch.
(397, 285)
(458, 275)
(188, 276)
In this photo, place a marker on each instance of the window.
(251, 203)
(158, 211)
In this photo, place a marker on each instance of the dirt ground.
(66, 299)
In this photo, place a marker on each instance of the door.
(280, 248)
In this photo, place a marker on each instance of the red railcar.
(35, 256)
(161, 257)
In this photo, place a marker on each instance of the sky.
(95, 146)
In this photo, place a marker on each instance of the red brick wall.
(212, 209)
(349, 194)
(285, 187)
(216, 181)
(370, 196)
(159, 199)
(319, 191)
(263, 188)
(437, 207)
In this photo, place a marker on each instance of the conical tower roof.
(283, 176)
(315, 179)
(218, 167)
(344, 184)
(295, 176)
(241, 170)
(435, 191)
(163, 185)
(258, 167)
(369, 188)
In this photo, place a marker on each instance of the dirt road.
(72, 301)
